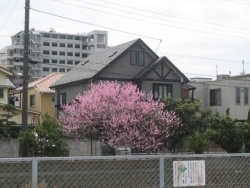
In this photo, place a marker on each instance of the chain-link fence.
(130, 171)
(9, 147)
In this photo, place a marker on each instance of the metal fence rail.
(143, 171)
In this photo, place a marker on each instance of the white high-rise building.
(50, 52)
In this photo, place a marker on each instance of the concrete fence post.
(34, 172)
(161, 163)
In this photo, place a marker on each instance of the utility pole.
(25, 74)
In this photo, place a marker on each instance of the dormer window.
(133, 57)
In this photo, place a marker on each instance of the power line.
(156, 23)
(93, 24)
(171, 15)
(140, 15)
(6, 5)
(237, 2)
(9, 15)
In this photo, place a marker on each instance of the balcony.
(35, 57)
(35, 49)
(35, 40)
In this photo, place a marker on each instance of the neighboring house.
(50, 51)
(227, 95)
(5, 86)
(133, 62)
(40, 97)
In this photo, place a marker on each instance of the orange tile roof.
(43, 84)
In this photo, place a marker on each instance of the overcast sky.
(196, 35)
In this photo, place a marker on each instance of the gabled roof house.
(133, 62)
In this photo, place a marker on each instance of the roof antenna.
(158, 46)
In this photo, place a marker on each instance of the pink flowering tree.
(119, 115)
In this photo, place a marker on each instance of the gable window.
(162, 90)
(215, 97)
(1, 93)
(246, 96)
(141, 58)
(237, 95)
(61, 99)
(133, 57)
(32, 100)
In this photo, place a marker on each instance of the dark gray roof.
(94, 63)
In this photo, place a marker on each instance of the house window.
(133, 57)
(54, 69)
(62, 61)
(46, 52)
(45, 43)
(62, 53)
(54, 61)
(1, 93)
(54, 52)
(70, 54)
(32, 100)
(162, 90)
(77, 54)
(45, 60)
(45, 69)
(215, 97)
(70, 45)
(54, 44)
(77, 45)
(237, 95)
(61, 70)
(61, 99)
(141, 58)
(62, 44)
(53, 101)
(246, 96)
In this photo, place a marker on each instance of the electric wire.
(141, 15)
(5, 5)
(170, 15)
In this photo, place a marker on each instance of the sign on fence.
(189, 173)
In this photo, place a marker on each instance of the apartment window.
(77, 45)
(68, 70)
(61, 99)
(62, 53)
(141, 58)
(32, 100)
(77, 37)
(61, 70)
(62, 44)
(70, 45)
(84, 55)
(84, 47)
(70, 54)
(69, 62)
(62, 62)
(77, 54)
(54, 61)
(62, 36)
(70, 37)
(162, 90)
(45, 69)
(246, 96)
(215, 97)
(54, 36)
(54, 52)
(77, 62)
(54, 69)
(54, 44)
(45, 60)
(46, 35)
(46, 52)
(21, 68)
(1, 93)
(53, 100)
(45, 43)
(133, 57)
(237, 95)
